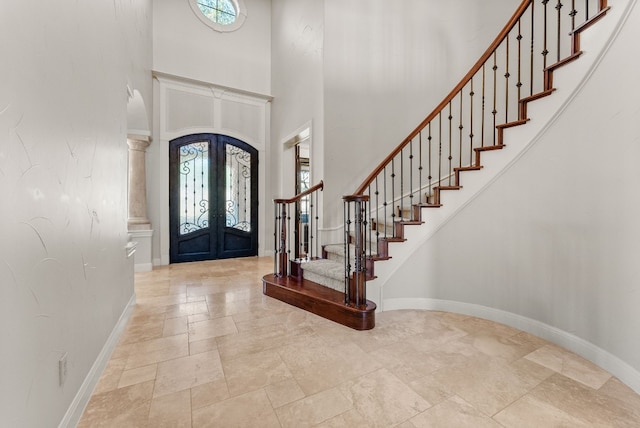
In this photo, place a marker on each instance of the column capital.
(138, 142)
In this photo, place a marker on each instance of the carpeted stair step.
(335, 252)
(329, 273)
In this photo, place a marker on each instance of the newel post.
(282, 258)
(355, 224)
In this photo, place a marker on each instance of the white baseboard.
(609, 362)
(143, 267)
(79, 403)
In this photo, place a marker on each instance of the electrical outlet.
(62, 369)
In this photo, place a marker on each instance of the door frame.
(217, 231)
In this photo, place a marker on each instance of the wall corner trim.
(220, 89)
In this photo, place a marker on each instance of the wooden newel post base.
(355, 276)
(283, 264)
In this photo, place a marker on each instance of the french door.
(213, 198)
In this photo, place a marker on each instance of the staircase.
(470, 123)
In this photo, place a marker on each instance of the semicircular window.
(221, 15)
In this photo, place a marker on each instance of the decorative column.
(138, 182)
(138, 223)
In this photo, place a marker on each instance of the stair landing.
(320, 300)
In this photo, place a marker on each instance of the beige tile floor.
(205, 348)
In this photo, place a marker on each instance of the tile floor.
(205, 348)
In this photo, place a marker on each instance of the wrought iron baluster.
(316, 234)
(377, 208)
(506, 81)
(347, 251)
(460, 128)
(367, 228)
(471, 94)
(494, 112)
(393, 195)
(559, 30)
(519, 83)
(312, 223)
(545, 52)
(401, 210)
(289, 235)
(287, 217)
(359, 226)
(450, 157)
(586, 10)
(573, 14)
(439, 148)
(484, 81)
(276, 230)
(531, 66)
(420, 185)
(283, 242)
(385, 202)
(411, 177)
(298, 234)
(430, 176)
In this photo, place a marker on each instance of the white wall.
(555, 240)
(386, 69)
(186, 47)
(297, 35)
(64, 276)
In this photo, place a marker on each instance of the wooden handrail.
(301, 195)
(476, 67)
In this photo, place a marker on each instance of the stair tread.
(496, 147)
(538, 95)
(468, 168)
(395, 219)
(589, 22)
(564, 61)
(448, 187)
(339, 248)
(513, 123)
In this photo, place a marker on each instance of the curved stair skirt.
(319, 300)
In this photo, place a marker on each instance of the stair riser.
(324, 280)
